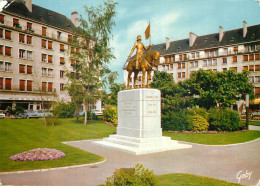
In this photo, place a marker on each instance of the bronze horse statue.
(149, 60)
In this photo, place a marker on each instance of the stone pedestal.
(139, 124)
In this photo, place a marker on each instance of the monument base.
(139, 146)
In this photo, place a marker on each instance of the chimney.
(192, 38)
(28, 4)
(221, 33)
(75, 19)
(167, 43)
(244, 29)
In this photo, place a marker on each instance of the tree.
(111, 98)
(223, 89)
(173, 96)
(93, 53)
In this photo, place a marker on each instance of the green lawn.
(215, 139)
(19, 135)
(256, 123)
(189, 179)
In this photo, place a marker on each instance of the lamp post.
(247, 110)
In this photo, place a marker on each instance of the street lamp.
(247, 110)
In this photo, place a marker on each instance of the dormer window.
(44, 31)
(29, 26)
(16, 23)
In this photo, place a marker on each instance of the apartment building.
(238, 49)
(34, 45)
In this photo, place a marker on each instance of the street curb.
(50, 169)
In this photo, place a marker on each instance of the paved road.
(221, 162)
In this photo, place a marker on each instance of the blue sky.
(169, 18)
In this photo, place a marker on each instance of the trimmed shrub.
(201, 111)
(223, 120)
(132, 176)
(176, 120)
(198, 123)
(64, 110)
(110, 114)
(91, 116)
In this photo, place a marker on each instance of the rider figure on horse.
(139, 51)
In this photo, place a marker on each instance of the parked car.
(97, 112)
(29, 114)
(254, 114)
(2, 115)
(47, 113)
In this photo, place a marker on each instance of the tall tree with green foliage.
(92, 53)
(173, 96)
(222, 89)
(111, 98)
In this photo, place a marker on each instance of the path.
(220, 162)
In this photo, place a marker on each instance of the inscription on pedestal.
(128, 108)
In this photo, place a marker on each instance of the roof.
(231, 37)
(42, 15)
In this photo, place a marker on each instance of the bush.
(201, 111)
(91, 116)
(64, 110)
(176, 120)
(198, 123)
(224, 120)
(110, 114)
(132, 176)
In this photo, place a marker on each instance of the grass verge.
(215, 139)
(190, 179)
(19, 135)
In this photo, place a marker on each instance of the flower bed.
(40, 154)
(205, 132)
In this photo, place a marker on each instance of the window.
(62, 61)
(1, 49)
(69, 38)
(2, 19)
(183, 74)
(29, 26)
(179, 74)
(214, 62)
(2, 66)
(235, 50)
(256, 57)
(62, 48)
(49, 58)
(1, 83)
(49, 44)
(235, 69)
(184, 56)
(72, 50)
(21, 38)
(183, 65)
(256, 68)
(250, 48)
(251, 79)
(8, 51)
(44, 71)
(251, 57)
(29, 69)
(61, 74)
(50, 72)
(72, 62)
(58, 35)
(197, 55)
(224, 60)
(44, 31)
(49, 86)
(251, 68)
(43, 43)
(234, 59)
(1, 33)
(205, 63)
(245, 57)
(209, 62)
(179, 65)
(224, 69)
(44, 86)
(196, 64)
(21, 68)
(8, 67)
(193, 55)
(180, 57)
(29, 85)
(44, 57)
(29, 40)
(16, 23)
(257, 92)
(29, 55)
(225, 51)
(21, 53)
(22, 85)
(257, 79)
(8, 34)
(77, 52)
(61, 86)
(171, 66)
(192, 64)
(8, 83)
(245, 67)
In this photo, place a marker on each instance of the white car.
(2, 115)
(97, 112)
